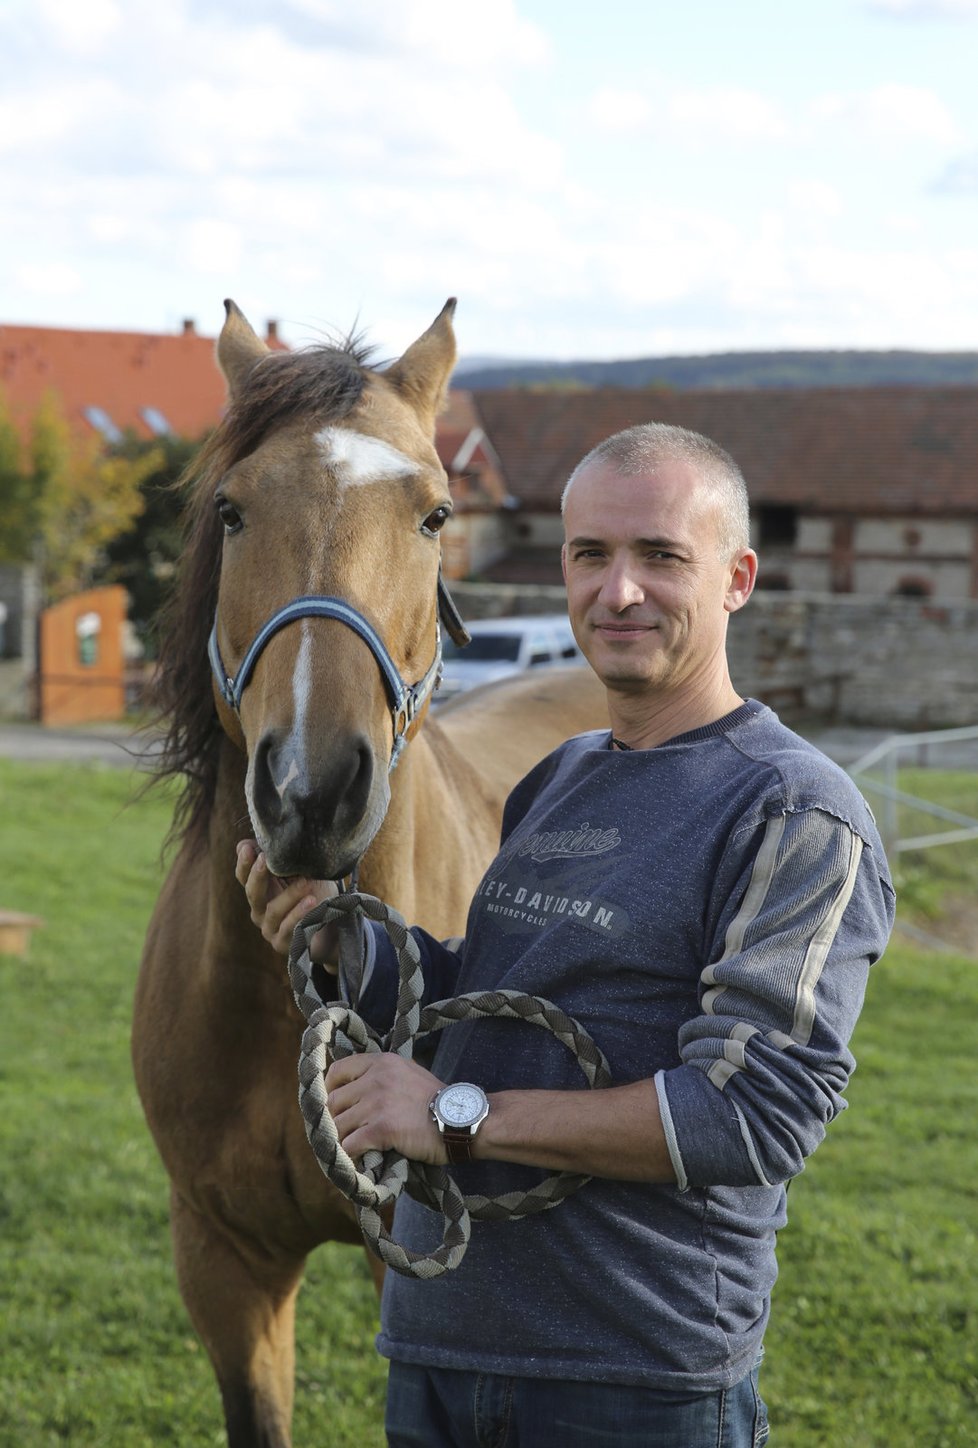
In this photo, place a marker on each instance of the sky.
(620, 178)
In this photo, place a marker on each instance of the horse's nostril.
(362, 778)
(268, 795)
(341, 792)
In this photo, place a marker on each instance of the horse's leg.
(242, 1303)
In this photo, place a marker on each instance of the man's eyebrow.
(668, 544)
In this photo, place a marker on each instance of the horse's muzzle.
(317, 820)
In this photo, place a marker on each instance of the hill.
(733, 371)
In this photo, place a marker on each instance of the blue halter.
(405, 699)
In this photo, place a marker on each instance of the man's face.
(647, 591)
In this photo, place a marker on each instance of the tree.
(19, 519)
(144, 558)
(65, 498)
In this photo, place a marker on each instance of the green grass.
(95, 1346)
(872, 1339)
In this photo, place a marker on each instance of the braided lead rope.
(335, 1030)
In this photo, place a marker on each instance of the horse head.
(326, 497)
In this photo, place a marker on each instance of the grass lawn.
(872, 1340)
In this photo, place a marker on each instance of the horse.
(309, 591)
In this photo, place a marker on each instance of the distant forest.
(730, 371)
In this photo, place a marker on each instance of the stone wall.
(889, 663)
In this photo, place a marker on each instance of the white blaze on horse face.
(292, 753)
(301, 694)
(356, 458)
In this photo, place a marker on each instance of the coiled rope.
(335, 1030)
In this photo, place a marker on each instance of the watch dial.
(460, 1105)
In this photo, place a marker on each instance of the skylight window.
(102, 422)
(155, 421)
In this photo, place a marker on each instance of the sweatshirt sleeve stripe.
(669, 1131)
(817, 954)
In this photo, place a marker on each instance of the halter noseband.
(405, 699)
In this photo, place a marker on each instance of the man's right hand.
(277, 905)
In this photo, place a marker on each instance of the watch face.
(460, 1105)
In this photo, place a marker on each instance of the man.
(705, 893)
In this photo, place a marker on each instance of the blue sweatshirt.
(708, 910)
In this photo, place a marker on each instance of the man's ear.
(563, 561)
(743, 576)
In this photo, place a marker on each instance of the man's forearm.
(616, 1132)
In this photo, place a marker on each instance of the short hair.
(642, 449)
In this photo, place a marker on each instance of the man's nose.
(620, 588)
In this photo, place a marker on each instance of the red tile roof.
(828, 450)
(120, 372)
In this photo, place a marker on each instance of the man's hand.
(381, 1101)
(277, 905)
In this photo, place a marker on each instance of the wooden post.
(15, 931)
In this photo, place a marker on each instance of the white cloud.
(891, 113)
(689, 116)
(960, 178)
(726, 112)
(322, 160)
(53, 279)
(618, 110)
(80, 29)
(202, 97)
(211, 245)
(479, 33)
(925, 9)
(815, 198)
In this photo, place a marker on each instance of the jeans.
(442, 1408)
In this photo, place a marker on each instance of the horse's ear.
(421, 375)
(238, 347)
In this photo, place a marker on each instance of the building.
(110, 383)
(872, 491)
(477, 535)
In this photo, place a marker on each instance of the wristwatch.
(458, 1111)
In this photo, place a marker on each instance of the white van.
(502, 646)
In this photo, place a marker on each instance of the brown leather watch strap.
(458, 1144)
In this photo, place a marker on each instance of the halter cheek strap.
(405, 699)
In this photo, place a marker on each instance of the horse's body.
(326, 482)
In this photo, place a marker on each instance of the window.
(540, 651)
(102, 422)
(914, 588)
(485, 648)
(155, 421)
(777, 525)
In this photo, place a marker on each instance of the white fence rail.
(877, 773)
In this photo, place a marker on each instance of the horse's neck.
(232, 944)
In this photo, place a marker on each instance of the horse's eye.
(228, 515)
(436, 521)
